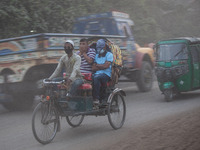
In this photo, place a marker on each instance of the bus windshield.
(168, 52)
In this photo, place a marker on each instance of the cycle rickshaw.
(54, 104)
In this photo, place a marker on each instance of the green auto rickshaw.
(178, 65)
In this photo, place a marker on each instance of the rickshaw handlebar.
(50, 82)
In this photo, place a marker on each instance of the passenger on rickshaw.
(103, 69)
(70, 62)
(87, 55)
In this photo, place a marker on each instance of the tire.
(45, 122)
(20, 101)
(35, 77)
(37, 82)
(9, 106)
(169, 95)
(75, 121)
(145, 77)
(5, 89)
(117, 111)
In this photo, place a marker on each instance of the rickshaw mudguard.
(117, 90)
(168, 85)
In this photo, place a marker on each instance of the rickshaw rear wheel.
(169, 95)
(116, 111)
(45, 121)
(75, 121)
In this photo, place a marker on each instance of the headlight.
(180, 70)
(168, 74)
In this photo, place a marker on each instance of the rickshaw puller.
(70, 62)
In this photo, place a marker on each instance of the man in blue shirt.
(103, 69)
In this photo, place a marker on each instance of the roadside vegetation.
(154, 20)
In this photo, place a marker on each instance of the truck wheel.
(10, 105)
(20, 101)
(17, 100)
(145, 77)
(37, 80)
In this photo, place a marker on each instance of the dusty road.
(151, 123)
(177, 132)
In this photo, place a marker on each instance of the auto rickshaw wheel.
(168, 95)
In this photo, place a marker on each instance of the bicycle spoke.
(44, 123)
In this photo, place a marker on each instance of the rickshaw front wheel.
(45, 121)
(169, 95)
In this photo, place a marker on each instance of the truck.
(26, 60)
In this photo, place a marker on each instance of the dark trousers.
(99, 83)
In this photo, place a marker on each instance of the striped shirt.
(85, 66)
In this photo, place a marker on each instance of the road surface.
(96, 132)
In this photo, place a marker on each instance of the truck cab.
(110, 23)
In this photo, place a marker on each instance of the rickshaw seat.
(85, 90)
(85, 86)
(87, 76)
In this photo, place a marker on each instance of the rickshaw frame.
(51, 111)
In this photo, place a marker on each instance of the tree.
(145, 29)
(154, 20)
(13, 17)
(19, 17)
